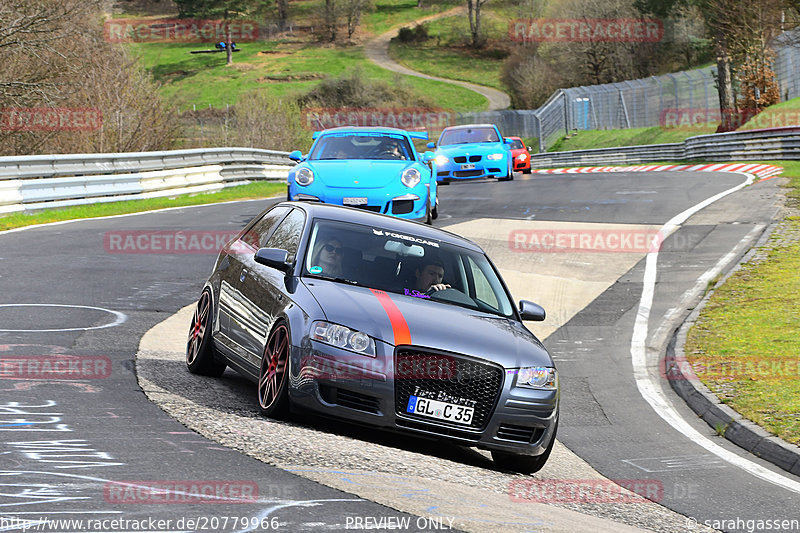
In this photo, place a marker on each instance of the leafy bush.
(356, 90)
(417, 34)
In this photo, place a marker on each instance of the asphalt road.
(71, 448)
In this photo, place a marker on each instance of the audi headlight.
(304, 176)
(495, 157)
(537, 377)
(522, 157)
(343, 337)
(410, 177)
(440, 160)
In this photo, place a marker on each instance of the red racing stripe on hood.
(402, 335)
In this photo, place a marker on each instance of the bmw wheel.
(524, 464)
(273, 395)
(200, 352)
(510, 174)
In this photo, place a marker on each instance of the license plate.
(467, 167)
(354, 201)
(461, 414)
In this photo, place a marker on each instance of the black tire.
(201, 355)
(435, 211)
(510, 175)
(527, 170)
(524, 464)
(273, 388)
(428, 216)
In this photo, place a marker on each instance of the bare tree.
(477, 40)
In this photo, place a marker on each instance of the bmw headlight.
(495, 157)
(537, 377)
(410, 177)
(440, 160)
(304, 176)
(343, 337)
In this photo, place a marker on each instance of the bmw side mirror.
(531, 311)
(274, 258)
(431, 145)
(297, 156)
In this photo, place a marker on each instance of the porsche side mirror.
(431, 145)
(531, 311)
(297, 156)
(427, 157)
(274, 258)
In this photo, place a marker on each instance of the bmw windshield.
(405, 264)
(469, 135)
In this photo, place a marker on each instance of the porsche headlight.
(495, 157)
(410, 177)
(537, 377)
(343, 337)
(304, 176)
(440, 160)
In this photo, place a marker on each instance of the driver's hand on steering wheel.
(437, 287)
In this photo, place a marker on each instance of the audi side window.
(287, 235)
(258, 234)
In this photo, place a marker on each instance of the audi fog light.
(410, 177)
(537, 377)
(342, 337)
(304, 176)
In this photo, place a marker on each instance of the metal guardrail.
(776, 143)
(36, 182)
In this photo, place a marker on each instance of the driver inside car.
(429, 275)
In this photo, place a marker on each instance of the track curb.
(725, 420)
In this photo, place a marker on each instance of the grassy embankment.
(744, 345)
(291, 64)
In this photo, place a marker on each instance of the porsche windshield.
(469, 135)
(406, 264)
(361, 146)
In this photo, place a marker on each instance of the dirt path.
(377, 51)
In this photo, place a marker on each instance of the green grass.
(282, 69)
(446, 55)
(242, 192)
(588, 139)
(744, 345)
(391, 13)
(783, 114)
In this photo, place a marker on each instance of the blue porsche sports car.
(472, 151)
(376, 169)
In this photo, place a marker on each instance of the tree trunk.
(283, 13)
(727, 104)
(228, 46)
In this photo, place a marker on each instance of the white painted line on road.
(119, 318)
(651, 390)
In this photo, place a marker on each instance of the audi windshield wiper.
(329, 278)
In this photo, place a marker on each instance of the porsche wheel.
(435, 212)
(273, 395)
(524, 464)
(200, 352)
